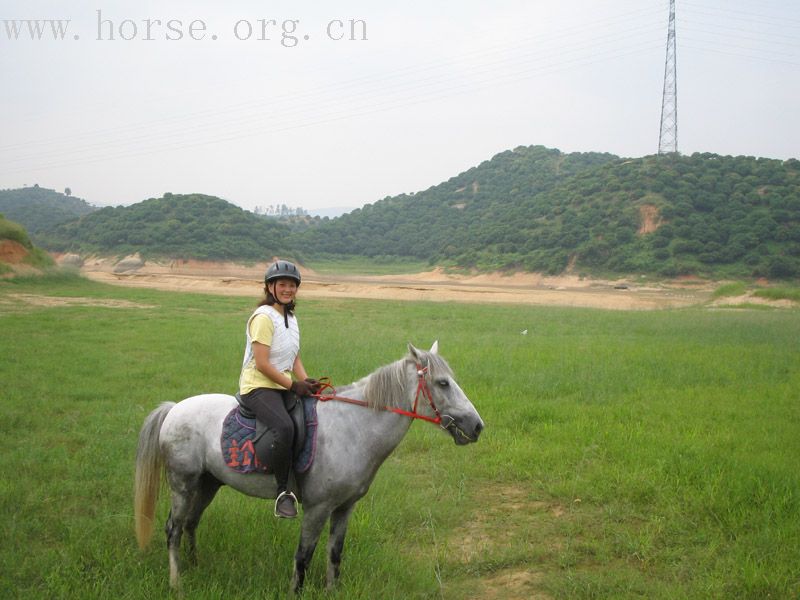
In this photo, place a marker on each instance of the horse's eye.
(442, 383)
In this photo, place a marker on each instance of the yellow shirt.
(262, 330)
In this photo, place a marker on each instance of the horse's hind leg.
(205, 494)
(184, 492)
(174, 531)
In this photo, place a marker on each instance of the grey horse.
(352, 443)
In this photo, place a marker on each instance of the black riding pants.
(268, 406)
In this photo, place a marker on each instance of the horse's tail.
(149, 465)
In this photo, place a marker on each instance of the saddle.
(242, 434)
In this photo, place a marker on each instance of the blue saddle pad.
(238, 450)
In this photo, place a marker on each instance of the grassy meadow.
(357, 265)
(626, 454)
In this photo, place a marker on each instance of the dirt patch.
(432, 286)
(513, 519)
(751, 299)
(649, 219)
(56, 301)
(514, 584)
(486, 532)
(12, 252)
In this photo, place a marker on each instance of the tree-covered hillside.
(37, 208)
(531, 209)
(672, 215)
(174, 226)
(440, 222)
(540, 210)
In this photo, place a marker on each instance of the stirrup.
(294, 505)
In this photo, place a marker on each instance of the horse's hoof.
(297, 585)
(332, 580)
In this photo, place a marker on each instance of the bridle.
(422, 388)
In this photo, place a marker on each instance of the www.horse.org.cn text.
(288, 33)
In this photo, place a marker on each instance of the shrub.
(780, 293)
(15, 232)
(736, 288)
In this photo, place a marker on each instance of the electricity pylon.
(668, 138)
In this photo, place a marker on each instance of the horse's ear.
(435, 347)
(414, 352)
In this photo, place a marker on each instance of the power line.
(726, 43)
(750, 17)
(394, 78)
(520, 65)
(716, 50)
(454, 90)
(431, 83)
(765, 39)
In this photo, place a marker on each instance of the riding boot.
(286, 505)
(273, 443)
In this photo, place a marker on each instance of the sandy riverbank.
(434, 286)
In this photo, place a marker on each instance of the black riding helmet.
(282, 269)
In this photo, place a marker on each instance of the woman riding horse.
(271, 367)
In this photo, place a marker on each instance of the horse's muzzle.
(464, 431)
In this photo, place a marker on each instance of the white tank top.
(285, 341)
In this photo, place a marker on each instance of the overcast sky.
(309, 117)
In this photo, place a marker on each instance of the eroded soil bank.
(436, 285)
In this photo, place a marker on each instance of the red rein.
(422, 387)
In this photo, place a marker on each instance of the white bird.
(524, 332)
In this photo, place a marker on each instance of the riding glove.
(316, 386)
(302, 388)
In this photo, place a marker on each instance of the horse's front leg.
(339, 519)
(313, 521)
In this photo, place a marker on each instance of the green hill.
(703, 214)
(529, 209)
(174, 226)
(538, 209)
(438, 223)
(38, 208)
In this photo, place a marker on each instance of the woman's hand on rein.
(302, 388)
(316, 386)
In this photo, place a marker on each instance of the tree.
(67, 192)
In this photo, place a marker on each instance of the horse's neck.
(375, 430)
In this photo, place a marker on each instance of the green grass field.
(626, 455)
(357, 265)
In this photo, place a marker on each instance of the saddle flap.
(243, 410)
(242, 433)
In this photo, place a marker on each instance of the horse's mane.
(387, 386)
